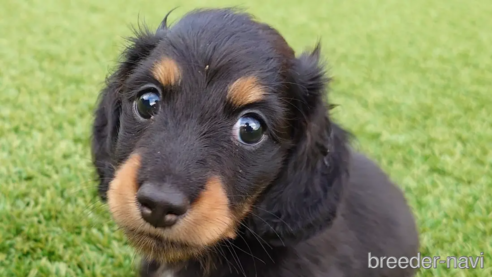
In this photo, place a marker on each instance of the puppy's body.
(215, 150)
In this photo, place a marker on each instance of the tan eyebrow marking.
(245, 90)
(166, 71)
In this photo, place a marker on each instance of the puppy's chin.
(208, 221)
(163, 250)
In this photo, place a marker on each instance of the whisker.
(257, 207)
(258, 239)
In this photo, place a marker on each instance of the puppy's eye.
(147, 104)
(249, 129)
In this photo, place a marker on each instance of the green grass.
(412, 78)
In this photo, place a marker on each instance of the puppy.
(217, 157)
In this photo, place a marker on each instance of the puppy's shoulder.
(377, 211)
(371, 188)
(374, 218)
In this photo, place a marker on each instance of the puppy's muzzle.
(161, 205)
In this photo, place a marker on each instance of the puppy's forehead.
(228, 54)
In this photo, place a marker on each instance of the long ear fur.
(106, 121)
(304, 198)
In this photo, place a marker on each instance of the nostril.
(146, 211)
(170, 219)
(178, 208)
(146, 202)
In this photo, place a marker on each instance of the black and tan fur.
(299, 203)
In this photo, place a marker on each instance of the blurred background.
(412, 79)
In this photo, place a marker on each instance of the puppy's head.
(212, 127)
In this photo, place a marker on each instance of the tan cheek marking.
(245, 90)
(166, 71)
(121, 194)
(122, 199)
(209, 219)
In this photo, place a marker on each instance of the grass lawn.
(413, 80)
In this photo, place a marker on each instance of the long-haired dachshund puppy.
(217, 157)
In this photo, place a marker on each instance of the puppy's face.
(204, 116)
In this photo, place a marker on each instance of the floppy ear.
(106, 122)
(305, 196)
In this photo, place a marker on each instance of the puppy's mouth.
(208, 221)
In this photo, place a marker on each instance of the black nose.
(161, 205)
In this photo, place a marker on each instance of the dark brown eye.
(147, 105)
(249, 129)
